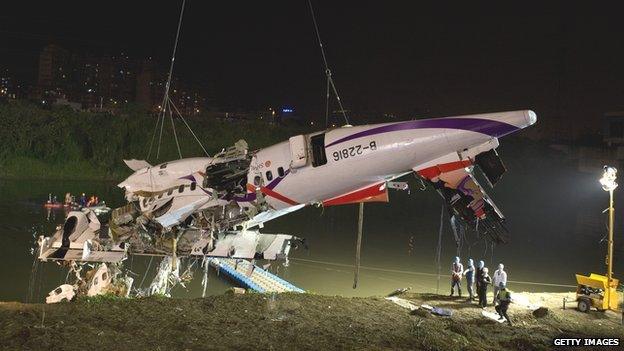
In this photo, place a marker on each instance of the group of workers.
(83, 201)
(480, 278)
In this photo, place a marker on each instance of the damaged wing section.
(467, 202)
(182, 211)
(83, 239)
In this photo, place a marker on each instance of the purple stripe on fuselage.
(485, 126)
(189, 177)
(277, 180)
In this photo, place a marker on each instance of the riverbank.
(290, 321)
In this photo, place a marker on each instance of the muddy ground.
(288, 322)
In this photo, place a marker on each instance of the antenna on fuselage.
(328, 74)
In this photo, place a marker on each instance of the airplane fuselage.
(337, 166)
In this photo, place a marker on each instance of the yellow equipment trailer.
(593, 291)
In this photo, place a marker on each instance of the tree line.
(59, 143)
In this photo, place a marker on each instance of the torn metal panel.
(100, 281)
(167, 276)
(65, 292)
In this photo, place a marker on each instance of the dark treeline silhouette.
(62, 143)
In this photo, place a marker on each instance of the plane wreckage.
(215, 207)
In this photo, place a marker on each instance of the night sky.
(408, 58)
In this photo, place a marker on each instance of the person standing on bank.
(479, 276)
(457, 270)
(500, 277)
(483, 286)
(470, 279)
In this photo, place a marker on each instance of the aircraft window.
(193, 186)
(95, 281)
(257, 180)
(280, 171)
(163, 166)
(319, 157)
(170, 192)
(269, 175)
(104, 276)
(58, 291)
(144, 201)
(181, 188)
(160, 196)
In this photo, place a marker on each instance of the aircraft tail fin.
(135, 165)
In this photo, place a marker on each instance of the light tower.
(609, 184)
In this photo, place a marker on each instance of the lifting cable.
(398, 271)
(189, 128)
(162, 114)
(328, 74)
(167, 104)
(439, 248)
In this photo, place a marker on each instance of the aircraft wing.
(174, 217)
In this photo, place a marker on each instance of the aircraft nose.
(519, 119)
(531, 117)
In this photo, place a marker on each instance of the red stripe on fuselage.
(272, 193)
(370, 194)
(433, 172)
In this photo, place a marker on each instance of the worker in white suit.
(499, 277)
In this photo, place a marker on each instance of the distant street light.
(609, 184)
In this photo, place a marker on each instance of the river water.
(554, 216)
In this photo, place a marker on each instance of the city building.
(106, 82)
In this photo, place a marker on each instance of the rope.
(175, 134)
(189, 128)
(327, 105)
(328, 73)
(149, 265)
(149, 153)
(162, 123)
(371, 268)
(165, 100)
(358, 248)
(439, 249)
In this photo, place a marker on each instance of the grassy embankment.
(288, 322)
(59, 143)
